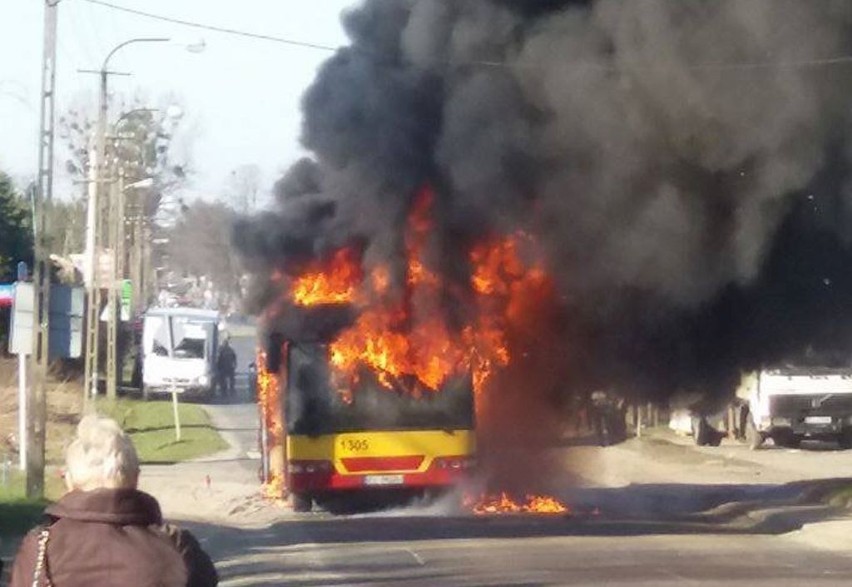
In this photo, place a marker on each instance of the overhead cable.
(214, 28)
(843, 60)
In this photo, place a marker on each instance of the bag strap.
(41, 560)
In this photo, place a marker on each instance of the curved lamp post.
(96, 189)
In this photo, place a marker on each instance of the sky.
(241, 96)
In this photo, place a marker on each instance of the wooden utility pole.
(39, 360)
(136, 256)
(97, 201)
(116, 225)
(92, 246)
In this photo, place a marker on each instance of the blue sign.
(23, 271)
(67, 306)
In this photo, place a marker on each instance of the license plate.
(818, 420)
(384, 480)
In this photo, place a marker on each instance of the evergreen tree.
(16, 239)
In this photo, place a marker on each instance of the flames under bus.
(374, 441)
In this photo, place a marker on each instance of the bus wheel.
(302, 502)
(787, 440)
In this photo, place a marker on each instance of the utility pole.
(139, 256)
(96, 202)
(97, 178)
(116, 225)
(135, 220)
(90, 376)
(100, 166)
(39, 361)
(146, 267)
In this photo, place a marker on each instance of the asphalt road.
(512, 551)
(644, 534)
(244, 344)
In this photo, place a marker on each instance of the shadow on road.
(693, 509)
(703, 502)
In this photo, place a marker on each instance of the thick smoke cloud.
(682, 163)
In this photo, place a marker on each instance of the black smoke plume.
(683, 164)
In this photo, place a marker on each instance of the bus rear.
(380, 436)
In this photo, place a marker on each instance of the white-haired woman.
(104, 531)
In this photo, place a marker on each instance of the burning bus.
(387, 433)
(367, 382)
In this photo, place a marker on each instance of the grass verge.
(151, 426)
(17, 513)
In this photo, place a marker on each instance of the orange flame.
(334, 282)
(504, 504)
(269, 402)
(403, 338)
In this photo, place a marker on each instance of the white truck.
(179, 350)
(792, 404)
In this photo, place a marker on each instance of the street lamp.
(103, 104)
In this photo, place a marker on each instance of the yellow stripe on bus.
(428, 443)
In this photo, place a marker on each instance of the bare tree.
(243, 188)
(140, 143)
(199, 245)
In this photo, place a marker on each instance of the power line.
(841, 60)
(214, 28)
(720, 66)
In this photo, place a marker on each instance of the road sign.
(23, 271)
(66, 321)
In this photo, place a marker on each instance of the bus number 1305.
(355, 444)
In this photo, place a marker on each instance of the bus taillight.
(456, 463)
(309, 467)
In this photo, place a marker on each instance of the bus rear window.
(313, 407)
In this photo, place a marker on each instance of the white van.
(179, 350)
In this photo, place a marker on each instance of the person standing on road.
(226, 369)
(105, 531)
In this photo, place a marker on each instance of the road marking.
(417, 557)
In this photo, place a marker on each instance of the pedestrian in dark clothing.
(104, 532)
(226, 369)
